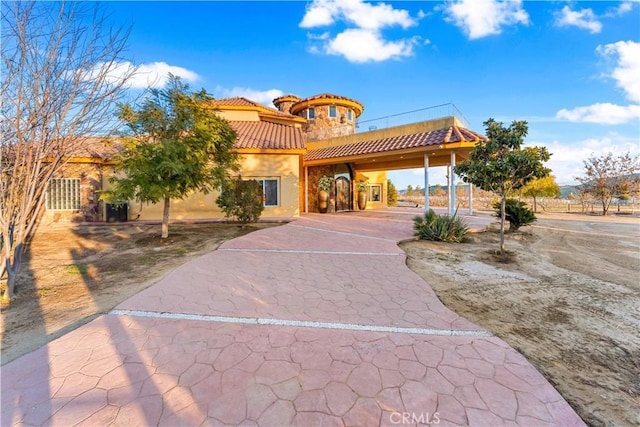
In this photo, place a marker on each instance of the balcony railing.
(415, 116)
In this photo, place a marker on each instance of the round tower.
(327, 115)
(284, 102)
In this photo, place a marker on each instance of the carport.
(439, 142)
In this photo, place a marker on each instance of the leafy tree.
(58, 87)
(502, 165)
(392, 194)
(517, 213)
(409, 192)
(242, 200)
(541, 187)
(176, 145)
(418, 191)
(609, 176)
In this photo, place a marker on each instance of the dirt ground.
(72, 274)
(568, 299)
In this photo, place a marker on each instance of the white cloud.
(322, 13)
(157, 73)
(142, 76)
(602, 113)
(621, 9)
(361, 45)
(567, 160)
(481, 18)
(584, 18)
(627, 69)
(262, 96)
(364, 42)
(625, 73)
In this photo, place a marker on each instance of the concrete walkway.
(317, 322)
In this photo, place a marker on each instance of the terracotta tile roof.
(239, 101)
(423, 139)
(98, 148)
(330, 96)
(266, 135)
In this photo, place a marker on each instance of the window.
(311, 113)
(333, 111)
(375, 192)
(63, 194)
(269, 190)
(350, 115)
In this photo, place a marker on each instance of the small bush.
(242, 200)
(392, 194)
(517, 213)
(443, 228)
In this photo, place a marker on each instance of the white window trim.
(268, 178)
(309, 113)
(329, 112)
(371, 186)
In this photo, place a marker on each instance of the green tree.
(409, 191)
(392, 194)
(541, 187)
(610, 176)
(517, 213)
(242, 200)
(176, 144)
(501, 165)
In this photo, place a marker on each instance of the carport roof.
(451, 134)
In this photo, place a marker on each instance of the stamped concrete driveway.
(317, 322)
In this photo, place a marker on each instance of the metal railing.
(415, 116)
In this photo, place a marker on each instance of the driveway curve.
(317, 322)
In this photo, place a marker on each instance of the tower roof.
(327, 99)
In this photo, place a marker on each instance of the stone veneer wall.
(315, 172)
(285, 106)
(323, 126)
(90, 175)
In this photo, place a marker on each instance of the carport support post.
(452, 185)
(426, 182)
(306, 189)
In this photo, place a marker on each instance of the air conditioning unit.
(118, 212)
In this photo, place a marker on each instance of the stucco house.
(286, 149)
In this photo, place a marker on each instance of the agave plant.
(441, 228)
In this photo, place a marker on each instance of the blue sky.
(571, 69)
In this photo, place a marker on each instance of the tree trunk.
(12, 269)
(535, 205)
(503, 209)
(165, 218)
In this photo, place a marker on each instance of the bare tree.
(60, 84)
(609, 176)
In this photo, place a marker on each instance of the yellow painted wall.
(377, 177)
(284, 167)
(239, 115)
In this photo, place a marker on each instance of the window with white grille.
(63, 194)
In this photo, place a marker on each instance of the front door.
(343, 194)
